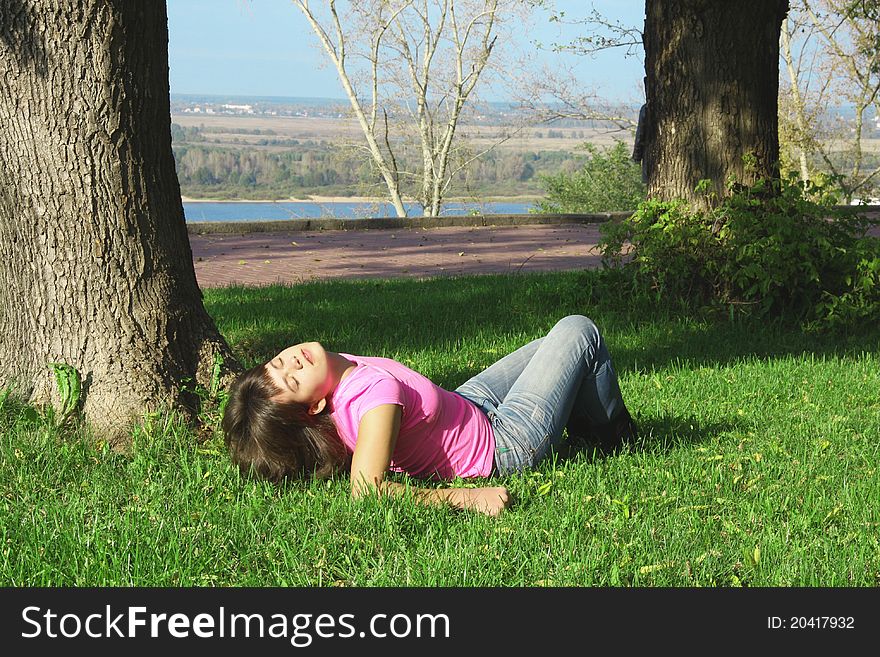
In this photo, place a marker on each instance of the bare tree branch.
(416, 58)
(843, 69)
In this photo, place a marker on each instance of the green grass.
(758, 468)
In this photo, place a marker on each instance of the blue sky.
(265, 48)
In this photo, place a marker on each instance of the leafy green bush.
(609, 181)
(765, 249)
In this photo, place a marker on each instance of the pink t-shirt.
(442, 434)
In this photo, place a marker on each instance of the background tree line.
(275, 167)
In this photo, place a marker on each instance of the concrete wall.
(241, 227)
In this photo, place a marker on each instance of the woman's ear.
(318, 406)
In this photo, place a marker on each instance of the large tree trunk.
(712, 80)
(95, 264)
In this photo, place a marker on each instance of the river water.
(271, 211)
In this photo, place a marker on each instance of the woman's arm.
(377, 435)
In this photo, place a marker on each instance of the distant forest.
(277, 167)
(224, 160)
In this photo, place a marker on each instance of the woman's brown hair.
(274, 440)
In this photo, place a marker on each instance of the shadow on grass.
(410, 316)
(656, 434)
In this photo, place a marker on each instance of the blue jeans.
(564, 379)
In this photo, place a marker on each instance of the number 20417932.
(811, 623)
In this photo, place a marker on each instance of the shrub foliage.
(767, 249)
(609, 181)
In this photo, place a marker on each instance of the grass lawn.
(758, 467)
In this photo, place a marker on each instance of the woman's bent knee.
(578, 324)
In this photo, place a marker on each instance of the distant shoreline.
(313, 199)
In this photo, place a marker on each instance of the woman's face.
(301, 373)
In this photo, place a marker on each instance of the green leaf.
(215, 374)
(69, 383)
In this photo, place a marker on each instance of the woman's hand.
(490, 500)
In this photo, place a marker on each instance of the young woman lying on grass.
(310, 412)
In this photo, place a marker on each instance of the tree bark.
(712, 78)
(95, 264)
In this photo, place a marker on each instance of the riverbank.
(309, 199)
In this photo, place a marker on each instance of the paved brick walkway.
(296, 256)
(292, 257)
